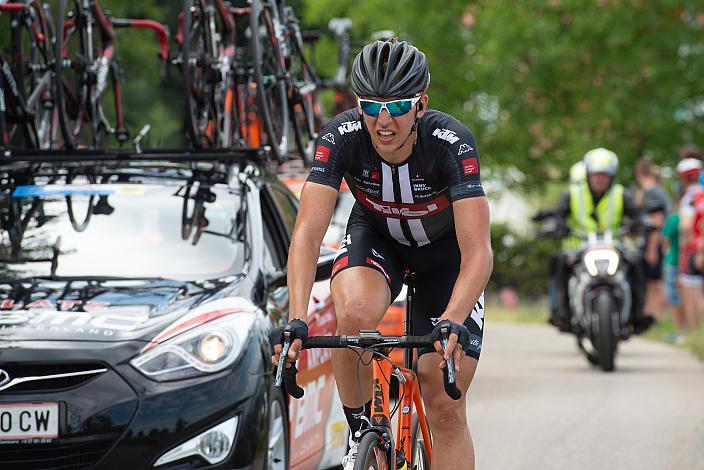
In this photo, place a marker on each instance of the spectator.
(691, 216)
(697, 261)
(653, 200)
(671, 248)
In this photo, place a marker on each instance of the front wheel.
(371, 454)
(606, 340)
(420, 460)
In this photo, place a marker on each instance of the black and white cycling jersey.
(411, 202)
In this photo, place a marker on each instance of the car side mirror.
(276, 279)
(322, 272)
(325, 262)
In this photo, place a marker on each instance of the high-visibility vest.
(609, 212)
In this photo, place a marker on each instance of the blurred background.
(538, 82)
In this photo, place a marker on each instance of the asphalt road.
(537, 404)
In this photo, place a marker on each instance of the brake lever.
(282, 359)
(450, 361)
(448, 372)
(287, 375)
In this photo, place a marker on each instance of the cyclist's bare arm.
(472, 227)
(316, 208)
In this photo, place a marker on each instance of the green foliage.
(540, 82)
(521, 261)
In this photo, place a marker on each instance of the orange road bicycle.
(379, 448)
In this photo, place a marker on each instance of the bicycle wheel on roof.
(32, 56)
(207, 56)
(270, 76)
(303, 94)
(79, 106)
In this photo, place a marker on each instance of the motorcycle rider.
(598, 204)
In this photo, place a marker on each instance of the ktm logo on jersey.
(349, 126)
(446, 134)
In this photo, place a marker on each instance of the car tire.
(277, 454)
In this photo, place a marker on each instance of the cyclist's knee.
(440, 408)
(355, 314)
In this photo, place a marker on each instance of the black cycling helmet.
(388, 69)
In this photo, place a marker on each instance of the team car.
(136, 296)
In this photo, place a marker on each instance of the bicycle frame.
(409, 400)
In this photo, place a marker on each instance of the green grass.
(663, 330)
(537, 313)
(525, 313)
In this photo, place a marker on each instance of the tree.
(541, 82)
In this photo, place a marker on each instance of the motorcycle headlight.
(205, 349)
(601, 261)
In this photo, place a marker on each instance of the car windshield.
(121, 230)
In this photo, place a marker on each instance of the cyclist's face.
(388, 132)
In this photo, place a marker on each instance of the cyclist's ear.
(422, 106)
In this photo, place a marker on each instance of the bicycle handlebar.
(161, 31)
(287, 375)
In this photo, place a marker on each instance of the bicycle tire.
(304, 97)
(32, 71)
(196, 57)
(419, 454)
(4, 134)
(371, 454)
(70, 114)
(269, 75)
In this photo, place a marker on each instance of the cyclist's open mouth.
(385, 136)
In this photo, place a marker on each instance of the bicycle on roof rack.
(86, 68)
(26, 93)
(304, 108)
(343, 97)
(215, 79)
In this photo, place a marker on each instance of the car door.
(317, 425)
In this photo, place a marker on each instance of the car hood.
(103, 311)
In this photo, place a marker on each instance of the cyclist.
(598, 205)
(420, 205)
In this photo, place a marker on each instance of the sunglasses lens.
(370, 107)
(398, 108)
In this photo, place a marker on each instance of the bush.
(520, 261)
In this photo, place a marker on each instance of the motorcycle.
(600, 295)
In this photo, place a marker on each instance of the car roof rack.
(255, 155)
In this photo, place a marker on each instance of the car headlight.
(205, 349)
(213, 445)
(601, 261)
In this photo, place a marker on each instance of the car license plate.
(29, 420)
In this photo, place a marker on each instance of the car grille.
(49, 377)
(61, 456)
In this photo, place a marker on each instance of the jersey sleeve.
(328, 162)
(463, 166)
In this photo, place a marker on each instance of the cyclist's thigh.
(437, 266)
(366, 269)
